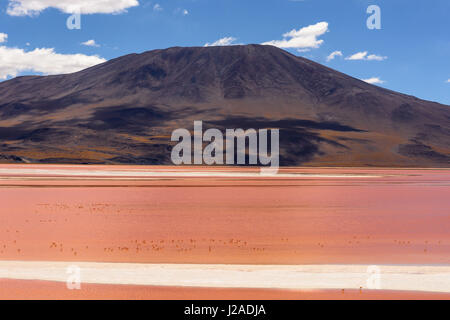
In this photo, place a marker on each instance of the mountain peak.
(124, 110)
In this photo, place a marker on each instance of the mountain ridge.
(124, 110)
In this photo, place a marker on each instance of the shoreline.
(282, 277)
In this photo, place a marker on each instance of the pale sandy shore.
(306, 277)
(174, 172)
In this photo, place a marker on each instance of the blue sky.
(410, 53)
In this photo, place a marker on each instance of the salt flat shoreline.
(168, 173)
(411, 278)
(205, 171)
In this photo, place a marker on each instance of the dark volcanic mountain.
(124, 110)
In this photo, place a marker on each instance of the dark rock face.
(124, 110)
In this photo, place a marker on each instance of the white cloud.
(44, 60)
(34, 7)
(157, 7)
(357, 56)
(448, 81)
(304, 38)
(227, 41)
(376, 57)
(334, 55)
(185, 12)
(364, 55)
(374, 80)
(90, 43)
(3, 37)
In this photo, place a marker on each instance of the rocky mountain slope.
(124, 110)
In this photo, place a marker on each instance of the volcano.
(124, 111)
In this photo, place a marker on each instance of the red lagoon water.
(224, 215)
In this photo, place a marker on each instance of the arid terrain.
(125, 110)
(330, 219)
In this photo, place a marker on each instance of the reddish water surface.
(17, 289)
(350, 216)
